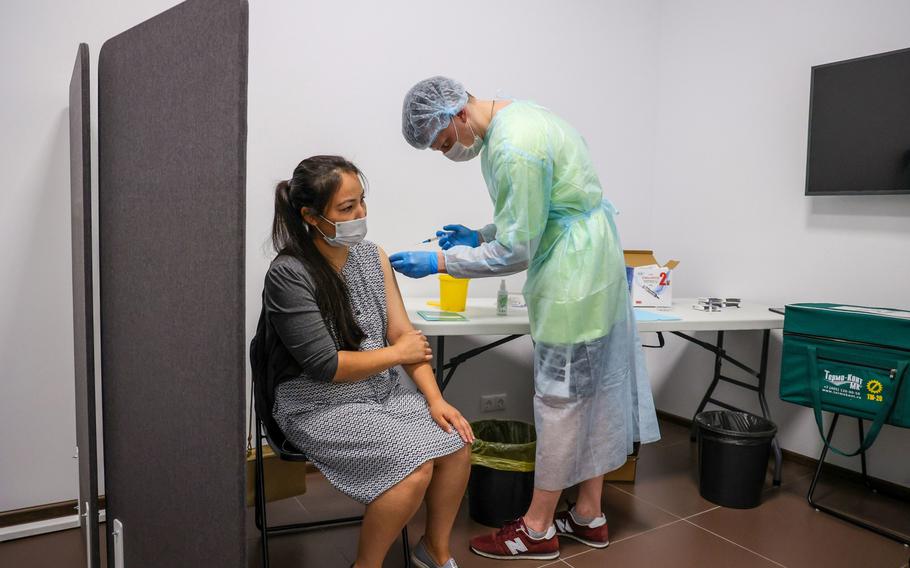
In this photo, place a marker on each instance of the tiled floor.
(660, 520)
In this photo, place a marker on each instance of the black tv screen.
(859, 126)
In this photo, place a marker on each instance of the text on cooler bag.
(854, 386)
(856, 383)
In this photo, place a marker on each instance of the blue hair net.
(428, 108)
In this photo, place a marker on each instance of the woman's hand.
(447, 416)
(412, 348)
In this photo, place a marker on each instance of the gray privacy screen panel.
(172, 176)
(83, 306)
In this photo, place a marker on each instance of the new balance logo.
(563, 526)
(516, 546)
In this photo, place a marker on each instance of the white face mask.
(461, 153)
(347, 233)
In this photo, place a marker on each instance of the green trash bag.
(504, 445)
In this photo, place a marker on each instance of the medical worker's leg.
(388, 513)
(585, 523)
(589, 495)
(444, 495)
(543, 506)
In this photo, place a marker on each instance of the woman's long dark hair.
(313, 184)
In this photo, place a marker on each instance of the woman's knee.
(463, 456)
(419, 479)
(460, 458)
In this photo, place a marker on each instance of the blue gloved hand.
(457, 235)
(415, 264)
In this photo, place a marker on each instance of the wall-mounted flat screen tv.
(859, 126)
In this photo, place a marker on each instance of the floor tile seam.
(630, 537)
(701, 513)
(643, 500)
(555, 563)
(318, 518)
(656, 506)
(612, 542)
(736, 544)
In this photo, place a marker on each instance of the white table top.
(481, 314)
(482, 319)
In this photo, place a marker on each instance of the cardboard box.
(627, 471)
(650, 282)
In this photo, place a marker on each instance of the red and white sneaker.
(594, 535)
(513, 542)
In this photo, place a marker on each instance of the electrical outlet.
(493, 402)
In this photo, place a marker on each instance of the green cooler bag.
(850, 360)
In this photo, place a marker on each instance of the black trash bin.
(502, 471)
(733, 450)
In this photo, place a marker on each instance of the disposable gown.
(592, 395)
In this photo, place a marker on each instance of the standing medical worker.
(592, 398)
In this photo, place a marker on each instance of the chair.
(267, 428)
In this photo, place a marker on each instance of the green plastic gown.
(592, 395)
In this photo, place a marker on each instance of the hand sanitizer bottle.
(502, 300)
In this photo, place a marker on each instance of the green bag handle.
(877, 422)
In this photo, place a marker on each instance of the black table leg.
(718, 359)
(766, 412)
(761, 374)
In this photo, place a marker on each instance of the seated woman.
(335, 305)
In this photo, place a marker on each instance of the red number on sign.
(663, 279)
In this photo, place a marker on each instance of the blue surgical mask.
(461, 153)
(347, 233)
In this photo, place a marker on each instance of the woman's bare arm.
(421, 373)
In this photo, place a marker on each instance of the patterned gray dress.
(364, 436)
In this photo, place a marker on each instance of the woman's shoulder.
(365, 250)
(285, 268)
(285, 263)
(368, 257)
